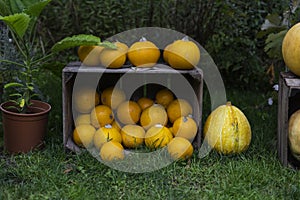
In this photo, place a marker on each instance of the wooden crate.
(110, 76)
(288, 103)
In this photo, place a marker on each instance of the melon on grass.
(227, 130)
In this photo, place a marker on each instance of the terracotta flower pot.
(24, 132)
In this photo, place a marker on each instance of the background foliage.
(231, 31)
(226, 28)
(7, 51)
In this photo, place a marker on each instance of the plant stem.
(12, 62)
(18, 45)
(42, 58)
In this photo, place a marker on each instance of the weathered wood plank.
(289, 84)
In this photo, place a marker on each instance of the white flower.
(270, 101)
(10, 40)
(276, 87)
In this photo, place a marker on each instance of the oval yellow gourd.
(114, 58)
(145, 102)
(294, 134)
(83, 135)
(128, 112)
(182, 54)
(180, 148)
(106, 134)
(155, 114)
(112, 151)
(112, 97)
(89, 55)
(291, 49)
(85, 99)
(157, 136)
(143, 53)
(132, 136)
(166, 53)
(227, 130)
(185, 127)
(178, 108)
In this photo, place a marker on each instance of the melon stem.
(185, 38)
(143, 39)
(228, 103)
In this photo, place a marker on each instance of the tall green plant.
(276, 26)
(21, 18)
(227, 29)
(273, 31)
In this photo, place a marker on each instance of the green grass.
(55, 174)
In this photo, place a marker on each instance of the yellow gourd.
(155, 114)
(185, 127)
(89, 55)
(291, 49)
(143, 53)
(180, 148)
(114, 58)
(227, 130)
(294, 134)
(182, 54)
(106, 134)
(158, 136)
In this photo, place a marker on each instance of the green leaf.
(274, 19)
(15, 95)
(74, 41)
(107, 44)
(22, 103)
(36, 9)
(19, 6)
(14, 101)
(54, 67)
(28, 3)
(270, 30)
(274, 44)
(18, 23)
(8, 85)
(30, 86)
(17, 108)
(34, 95)
(16, 6)
(4, 9)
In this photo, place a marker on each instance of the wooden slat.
(292, 82)
(156, 69)
(287, 83)
(282, 121)
(288, 74)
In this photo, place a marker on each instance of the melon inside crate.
(136, 83)
(288, 103)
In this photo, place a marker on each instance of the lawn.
(237, 44)
(55, 174)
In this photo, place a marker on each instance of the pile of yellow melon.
(109, 122)
(181, 54)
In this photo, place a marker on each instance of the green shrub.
(7, 52)
(273, 31)
(226, 28)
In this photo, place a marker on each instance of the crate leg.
(282, 142)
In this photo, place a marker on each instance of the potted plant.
(24, 118)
